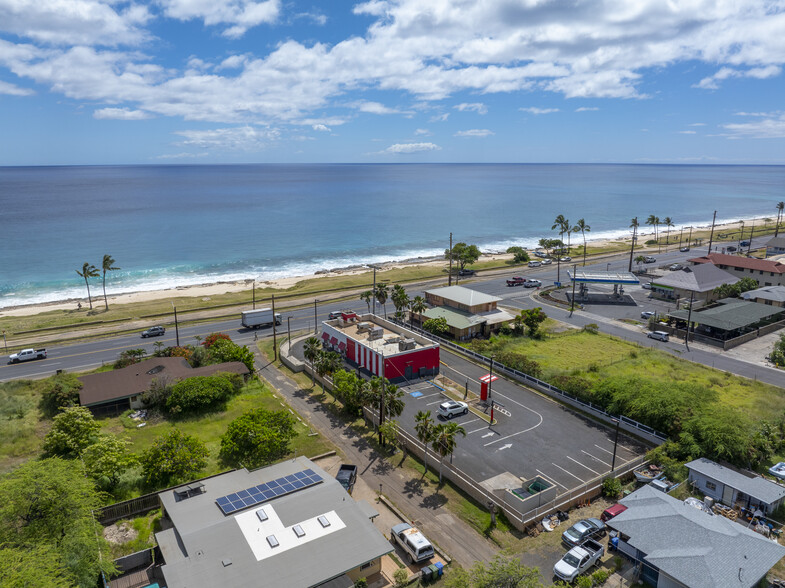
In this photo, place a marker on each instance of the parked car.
(684, 249)
(153, 332)
(649, 259)
(335, 314)
(452, 408)
(658, 335)
(744, 243)
(466, 272)
(647, 314)
(347, 476)
(583, 530)
(532, 284)
(540, 253)
(566, 258)
(675, 267)
(612, 511)
(730, 248)
(547, 261)
(646, 285)
(578, 560)
(412, 541)
(535, 264)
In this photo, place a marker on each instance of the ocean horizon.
(179, 225)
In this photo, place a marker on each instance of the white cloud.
(245, 138)
(586, 109)
(760, 73)
(477, 107)
(12, 90)
(686, 132)
(440, 117)
(328, 122)
(411, 147)
(121, 114)
(696, 125)
(316, 17)
(474, 133)
(535, 110)
(240, 14)
(771, 126)
(183, 155)
(425, 132)
(321, 127)
(376, 108)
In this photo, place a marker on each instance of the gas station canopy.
(599, 277)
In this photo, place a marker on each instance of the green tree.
(327, 364)
(172, 458)
(49, 504)
(72, 431)
(777, 355)
(382, 293)
(533, 318)
(391, 432)
(225, 351)
(634, 226)
(312, 348)
(199, 394)
(108, 266)
(400, 300)
(418, 307)
(545, 244)
(346, 387)
(519, 254)
(437, 326)
(583, 228)
(561, 224)
(780, 208)
(424, 426)
(463, 254)
(59, 391)
(107, 459)
(129, 357)
(32, 566)
(366, 297)
(668, 222)
(88, 271)
(444, 441)
(257, 438)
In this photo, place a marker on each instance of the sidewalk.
(421, 504)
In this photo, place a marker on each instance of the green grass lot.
(598, 356)
(22, 429)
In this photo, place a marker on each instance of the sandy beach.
(208, 290)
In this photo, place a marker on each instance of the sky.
(271, 81)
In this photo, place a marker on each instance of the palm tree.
(366, 297)
(400, 300)
(424, 426)
(417, 306)
(107, 267)
(381, 294)
(545, 244)
(654, 221)
(311, 350)
(634, 225)
(444, 442)
(88, 271)
(668, 222)
(329, 362)
(563, 225)
(780, 209)
(583, 228)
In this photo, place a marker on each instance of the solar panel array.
(264, 492)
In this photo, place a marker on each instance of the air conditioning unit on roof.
(406, 344)
(375, 333)
(363, 326)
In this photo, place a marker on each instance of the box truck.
(253, 319)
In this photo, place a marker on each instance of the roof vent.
(262, 515)
(298, 530)
(323, 521)
(156, 370)
(226, 562)
(272, 541)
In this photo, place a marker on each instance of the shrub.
(172, 458)
(520, 362)
(257, 438)
(575, 385)
(592, 328)
(158, 394)
(199, 394)
(129, 357)
(611, 488)
(583, 582)
(184, 352)
(214, 337)
(600, 576)
(58, 392)
(401, 577)
(225, 351)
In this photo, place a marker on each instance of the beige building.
(468, 313)
(766, 272)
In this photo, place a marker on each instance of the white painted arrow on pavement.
(504, 447)
(488, 435)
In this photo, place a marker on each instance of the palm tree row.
(90, 271)
(399, 298)
(442, 437)
(562, 224)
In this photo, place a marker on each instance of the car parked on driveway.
(583, 530)
(153, 332)
(675, 267)
(452, 408)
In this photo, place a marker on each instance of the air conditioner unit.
(363, 326)
(375, 333)
(406, 344)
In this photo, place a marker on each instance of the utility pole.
(752, 230)
(681, 234)
(572, 305)
(176, 328)
(289, 331)
(449, 274)
(254, 294)
(490, 382)
(711, 235)
(275, 339)
(615, 441)
(315, 323)
(5, 342)
(632, 247)
(689, 318)
(689, 239)
(381, 405)
(373, 292)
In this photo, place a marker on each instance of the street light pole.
(275, 339)
(572, 305)
(315, 322)
(689, 318)
(176, 327)
(490, 380)
(253, 289)
(615, 442)
(373, 292)
(289, 330)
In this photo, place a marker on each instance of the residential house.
(468, 313)
(727, 319)
(289, 524)
(775, 246)
(677, 545)
(735, 488)
(767, 272)
(697, 282)
(770, 295)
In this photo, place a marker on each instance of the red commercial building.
(380, 347)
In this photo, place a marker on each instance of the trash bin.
(434, 571)
(426, 573)
(439, 567)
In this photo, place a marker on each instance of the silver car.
(452, 408)
(582, 530)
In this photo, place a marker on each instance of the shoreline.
(209, 289)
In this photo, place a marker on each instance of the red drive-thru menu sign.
(484, 381)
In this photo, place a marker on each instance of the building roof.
(207, 548)
(776, 242)
(465, 296)
(136, 378)
(752, 485)
(359, 328)
(457, 319)
(698, 278)
(600, 277)
(733, 314)
(773, 293)
(693, 547)
(753, 263)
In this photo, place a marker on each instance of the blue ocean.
(170, 226)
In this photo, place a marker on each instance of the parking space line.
(424, 396)
(583, 466)
(434, 402)
(551, 479)
(513, 434)
(566, 472)
(463, 423)
(603, 449)
(597, 458)
(478, 430)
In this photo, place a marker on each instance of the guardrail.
(627, 424)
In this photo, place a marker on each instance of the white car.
(566, 258)
(535, 263)
(647, 314)
(646, 285)
(452, 408)
(547, 261)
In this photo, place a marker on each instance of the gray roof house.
(289, 524)
(771, 295)
(698, 280)
(680, 546)
(775, 246)
(733, 487)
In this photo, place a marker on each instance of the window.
(365, 566)
(711, 485)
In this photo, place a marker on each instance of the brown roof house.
(766, 272)
(118, 390)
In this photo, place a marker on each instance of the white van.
(534, 264)
(659, 335)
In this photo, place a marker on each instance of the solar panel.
(263, 492)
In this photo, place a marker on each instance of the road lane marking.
(570, 473)
(478, 430)
(513, 434)
(597, 458)
(464, 423)
(582, 465)
(548, 478)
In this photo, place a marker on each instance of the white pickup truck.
(578, 559)
(413, 542)
(26, 355)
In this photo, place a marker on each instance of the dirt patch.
(120, 533)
